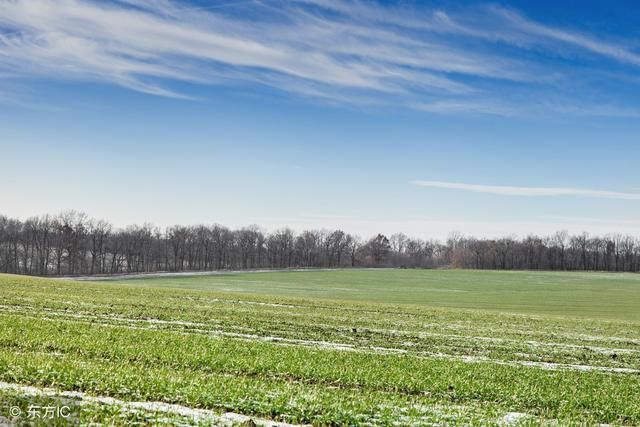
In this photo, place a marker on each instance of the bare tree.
(72, 243)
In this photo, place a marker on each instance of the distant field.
(601, 295)
(351, 347)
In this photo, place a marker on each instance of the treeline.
(71, 243)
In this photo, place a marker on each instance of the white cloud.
(157, 40)
(529, 191)
(447, 107)
(346, 52)
(511, 27)
(586, 42)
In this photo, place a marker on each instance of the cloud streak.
(504, 190)
(344, 52)
(582, 41)
(157, 40)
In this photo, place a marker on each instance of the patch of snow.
(513, 418)
(226, 419)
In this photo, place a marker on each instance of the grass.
(601, 295)
(330, 348)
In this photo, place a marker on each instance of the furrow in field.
(195, 414)
(435, 414)
(451, 344)
(298, 316)
(531, 343)
(153, 324)
(386, 333)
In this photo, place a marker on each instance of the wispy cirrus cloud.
(539, 32)
(507, 190)
(490, 23)
(463, 106)
(161, 40)
(344, 52)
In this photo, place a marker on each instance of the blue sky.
(423, 117)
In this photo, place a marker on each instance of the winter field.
(343, 347)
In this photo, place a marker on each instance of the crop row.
(294, 384)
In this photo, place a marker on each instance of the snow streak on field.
(119, 353)
(150, 409)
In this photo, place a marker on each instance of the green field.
(602, 295)
(350, 347)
